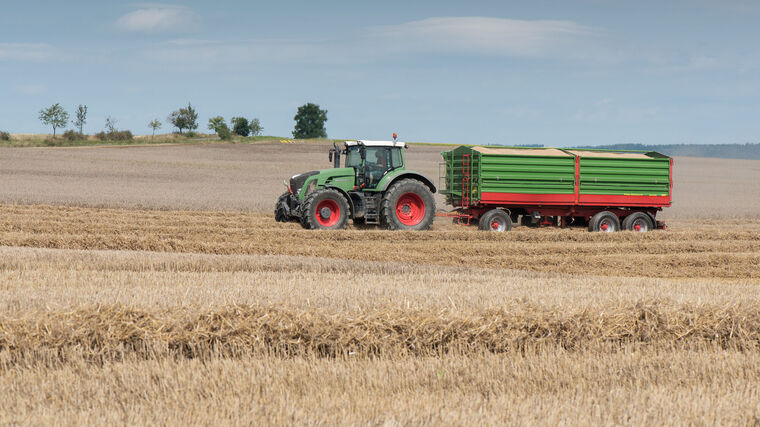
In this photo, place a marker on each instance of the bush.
(5, 136)
(190, 134)
(72, 135)
(119, 135)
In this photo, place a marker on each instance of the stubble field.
(152, 285)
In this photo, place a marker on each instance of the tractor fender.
(347, 196)
(410, 175)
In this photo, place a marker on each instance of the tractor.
(373, 187)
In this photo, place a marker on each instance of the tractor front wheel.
(325, 209)
(282, 209)
(408, 205)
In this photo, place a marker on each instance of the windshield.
(353, 158)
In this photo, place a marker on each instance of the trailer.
(605, 190)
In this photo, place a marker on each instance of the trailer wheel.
(408, 205)
(495, 220)
(325, 209)
(527, 221)
(605, 221)
(638, 221)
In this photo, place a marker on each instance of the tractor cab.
(371, 160)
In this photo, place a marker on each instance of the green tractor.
(373, 187)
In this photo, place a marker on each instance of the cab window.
(353, 158)
(396, 158)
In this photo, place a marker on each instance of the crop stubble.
(144, 316)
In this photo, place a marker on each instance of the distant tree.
(218, 125)
(155, 124)
(184, 118)
(256, 127)
(54, 116)
(240, 126)
(81, 117)
(310, 122)
(110, 124)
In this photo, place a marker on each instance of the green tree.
(155, 124)
(240, 126)
(256, 127)
(54, 116)
(310, 122)
(81, 117)
(184, 118)
(218, 125)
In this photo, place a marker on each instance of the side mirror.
(331, 155)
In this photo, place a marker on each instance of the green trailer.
(607, 190)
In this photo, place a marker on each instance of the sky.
(558, 73)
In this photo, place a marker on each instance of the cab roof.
(376, 143)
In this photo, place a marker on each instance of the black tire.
(527, 221)
(282, 209)
(638, 221)
(604, 221)
(408, 205)
(325, 209)
(495, 220)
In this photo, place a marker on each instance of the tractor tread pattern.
(310, 223)
(388, 209)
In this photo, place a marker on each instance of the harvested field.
(639, 386)
(249, 177)
(207, 311)
(726, 251)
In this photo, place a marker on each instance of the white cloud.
(29, 52)
(484, 36)
(160, 19)
(477, 36)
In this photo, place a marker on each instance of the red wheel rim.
(410, 209)
(636, 227)
(495, 225)
(328, 213)
(604, 226)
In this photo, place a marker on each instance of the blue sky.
(530, 72)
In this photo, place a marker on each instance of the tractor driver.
(377, 167)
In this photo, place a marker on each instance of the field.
(152, 285)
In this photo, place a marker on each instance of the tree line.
(310, 123)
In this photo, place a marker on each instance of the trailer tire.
(325, 210)
(604, 221)
(408, 205)
(495, 220)
(638, 221)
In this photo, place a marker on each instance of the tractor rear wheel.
(495, 220)
(638, 221)
(604, 221)
(408, 205)
(325, 209)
